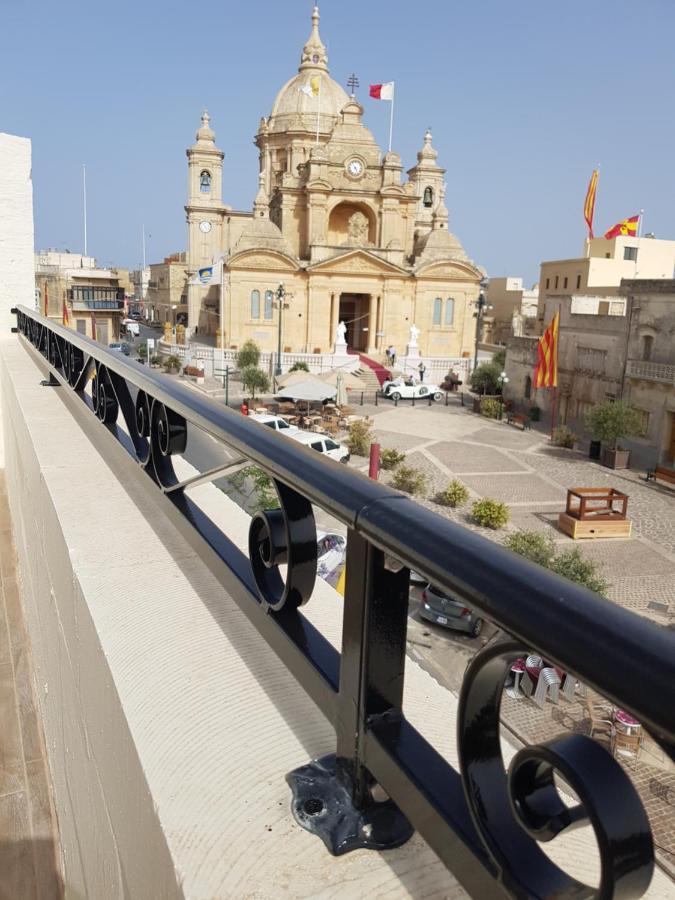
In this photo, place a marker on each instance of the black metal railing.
(484, 823)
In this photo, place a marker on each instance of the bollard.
(446, 398)
(377, 394)
(361, 398)
(430, 399)
(374, 463)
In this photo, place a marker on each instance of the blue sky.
(524, 98)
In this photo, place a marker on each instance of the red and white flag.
(382, 91)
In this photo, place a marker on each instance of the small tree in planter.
(610, 421)
(172, 364)
(255, 379)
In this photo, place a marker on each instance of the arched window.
(255, 304)
(528, 387)
(269, 299)
(647, 345)
(428, 197)
(438, 303)
(205, 182)
(449, 311)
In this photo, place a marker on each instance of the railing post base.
(50, 382)
(323, 804)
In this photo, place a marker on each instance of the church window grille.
(449, 311)
(255, 304)
(428, 197)
(269, 299)
(438, 304)
(205, 182)
(647, 346)
(528, 387)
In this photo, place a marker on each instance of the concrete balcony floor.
(28, 835)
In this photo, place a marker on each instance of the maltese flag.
(382, 91)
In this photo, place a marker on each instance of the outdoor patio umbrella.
(351, 382)
(299, 377)
(341, 391)
(308, 390)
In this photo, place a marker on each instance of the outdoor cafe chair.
(600, 715)
(626, 746)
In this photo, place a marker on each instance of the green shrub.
(539, 548)
(499, 359)
(409, 479)
(155, 360)
(490, 513)
(248, 356)
(572, 565)
(564, 437)
(390, 458)
(254, 380)
(172, 363)
(533, 545)
(359, 439)
(490, 407)
(455, 494)
(299, 367)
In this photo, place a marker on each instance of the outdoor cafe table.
(626, 722)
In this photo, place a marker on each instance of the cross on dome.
(314, 55)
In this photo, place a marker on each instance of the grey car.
(441, 608)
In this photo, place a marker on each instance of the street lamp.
(280, 295)
(502, 380)
(481, 306)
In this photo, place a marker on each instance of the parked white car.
(398, 389)
(322, 444)
(274, 422)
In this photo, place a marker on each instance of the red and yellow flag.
(589, 203)
(64, 316)
(546, 370)
(627, 228)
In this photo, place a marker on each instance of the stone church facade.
(337, 225)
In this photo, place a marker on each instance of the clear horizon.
(524, 101)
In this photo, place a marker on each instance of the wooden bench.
(667, 475)
(519, 419)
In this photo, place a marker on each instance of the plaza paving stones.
(462, 456)
(503, 435)
(525, 488)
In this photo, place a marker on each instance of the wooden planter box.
(615, 459)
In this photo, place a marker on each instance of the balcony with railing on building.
(88, 297)
(651, 371)
(180, 643)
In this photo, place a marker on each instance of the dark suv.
(441, 608)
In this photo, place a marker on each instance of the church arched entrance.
(355, 313)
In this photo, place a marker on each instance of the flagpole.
(222, 319)
(84, 204)
(391, 117)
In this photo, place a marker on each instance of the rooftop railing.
(483, 822)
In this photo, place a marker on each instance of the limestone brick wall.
(17, 261)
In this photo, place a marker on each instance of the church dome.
(312, 91)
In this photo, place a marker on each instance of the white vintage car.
(399, 390)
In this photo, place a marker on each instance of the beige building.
(604, 265)
(610, 347)
(166, 296)
(514, 308)
(88, 292)
(338, 224)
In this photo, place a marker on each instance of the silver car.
(441, 608)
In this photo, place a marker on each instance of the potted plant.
(609, 422)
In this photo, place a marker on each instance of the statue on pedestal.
(414, 334)
(341, 339)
